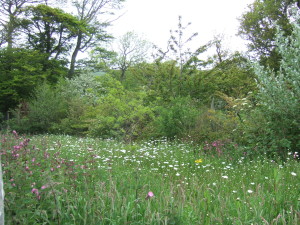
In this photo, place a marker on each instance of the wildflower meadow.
(103, 130)
(51, 179)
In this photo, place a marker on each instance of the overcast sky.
(153, 19)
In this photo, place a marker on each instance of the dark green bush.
(46, 108)
(176, 118)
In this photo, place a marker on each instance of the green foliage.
(233, 77)
(76, 95)
(46, 108)
(213, 125)
(21, 71)
(50, 30)
(101, 59)
(160, 79)
(60, 109)
(118, 113)
(176, 118)
(258, 26)
(165, 79)
(279, 95)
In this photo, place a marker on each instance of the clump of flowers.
(36, 192)
(149, 195)
(30, 170)
(198, 161)
(220, 147)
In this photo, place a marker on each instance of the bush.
(80, 93)
(118, 113)
(176, 118)
(46, 108)
(214, 125)
(279, 93)
(58, 109)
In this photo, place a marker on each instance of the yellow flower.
(198, 161)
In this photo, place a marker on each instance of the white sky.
(153, 19)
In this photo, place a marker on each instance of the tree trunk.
(10, 31)
(74, 55)
(123, 71)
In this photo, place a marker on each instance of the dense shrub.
(80, 93)
(58, 109)
(175, 118)
(46, 108)
(213, 124)
(276, 127)
(118, 113)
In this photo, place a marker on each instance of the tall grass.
(67, 180)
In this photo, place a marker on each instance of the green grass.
(93, 181)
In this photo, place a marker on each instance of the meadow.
(51, 179)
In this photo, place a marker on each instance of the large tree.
(21, 71)
(258, 26)
(51, 30)
(132, 50)
(48, 33)
(10, 11)
(89, 12)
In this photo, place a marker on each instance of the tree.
(179, 51)
(102, 59)
(131, 50)
(258, 26)
(21, 71)
(10, 11)
(50, 30)
(231, 73)
(233, 76)
(221, 54)
(177, 45)
(187, 60)
(88, 11)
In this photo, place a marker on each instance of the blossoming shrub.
(60, 108)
